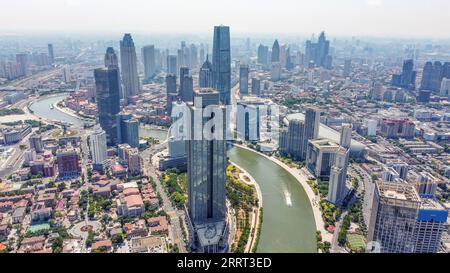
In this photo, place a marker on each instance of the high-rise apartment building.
(97, 146)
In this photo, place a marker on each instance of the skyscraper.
(186, 85)
(129, 67)
(319, 52)
(263, 54)
(97, 146)
(445, 88)
(243, 79)
(256, 87)
(51, 54)
(22, 61)
(338, 177)
(311, 131)
(295, 138)
(346, 135)
(205, 76)
(171, 91)
(127, 129)
(407, 79)
(108, 100)
(393, 217)
(222, 62)
(148, 57)
(36, 143)
(172, 64)
(432, 76)
(347, 67)
(111, 58)
(275, 52)
(207, 161)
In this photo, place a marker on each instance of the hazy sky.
(421, 18)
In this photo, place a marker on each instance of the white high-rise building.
(346, 135)
(371, 127)
(97, 145)
(338, 177)
(445, 88)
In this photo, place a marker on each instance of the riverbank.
(256, 213)
(302, 179)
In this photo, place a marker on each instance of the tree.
(117, 239)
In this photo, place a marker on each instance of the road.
(176, 234)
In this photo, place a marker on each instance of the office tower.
(424, 96)
(289, 63)
(284, 142)
(172, 64)
(186, 85)
(36, 143)
(407, 79)
(283, 55)
(311, 131)
(346, 135)
(171, 91)
(128, 63)
(295, 138)
(445, 88)
(108, 100)
(432, 76)
(148, 58)
(22, 61)
(393, 218)
(263, 54)
(320, 157)
(256, 87)
(347, 67)
(97, 145)
(243, 79)
(111, 58)
(127, 129)
(338, 177)
(202, 52)
(275, 73)
(275, 52)
(67, 74)
(68, 162)
(193, 56)
(207, 161)
(431, 224)
(222, 62)
(51, 54)
(319, 52)
(205, 76)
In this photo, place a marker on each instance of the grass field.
(356, 242)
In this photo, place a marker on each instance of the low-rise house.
(157, 224)
(137, 229)
(105, 245)
(32, 244)
(18, 215)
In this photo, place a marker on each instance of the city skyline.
(287, 17)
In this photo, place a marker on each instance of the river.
(288, 221)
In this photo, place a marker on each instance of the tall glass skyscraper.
(207, 162)
(127, 129)
(108, 100)
(149, 61)
(275, 52)
(222, 62)
(205, 76)
(128, 63)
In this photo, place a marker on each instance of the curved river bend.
(288, 221)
